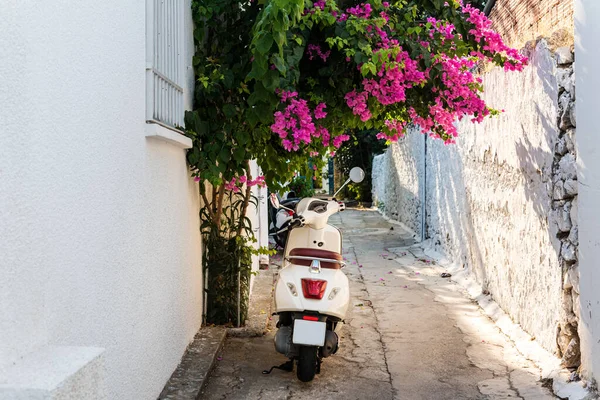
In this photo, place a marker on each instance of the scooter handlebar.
(298, 221)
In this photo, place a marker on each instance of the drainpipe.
(488, 7)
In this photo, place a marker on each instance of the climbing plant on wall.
(279, 81)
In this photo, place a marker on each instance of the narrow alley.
(409, 334)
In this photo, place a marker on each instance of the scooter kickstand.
(286, 366)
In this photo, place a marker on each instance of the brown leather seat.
(317, 253)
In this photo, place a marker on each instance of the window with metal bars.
(164, 62)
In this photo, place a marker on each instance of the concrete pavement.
(410, 334)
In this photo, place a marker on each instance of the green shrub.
(302, 187)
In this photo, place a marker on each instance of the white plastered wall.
(100, 233)
(587, 42)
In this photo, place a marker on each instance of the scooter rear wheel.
(307, 363)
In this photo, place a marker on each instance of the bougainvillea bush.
(279, 81)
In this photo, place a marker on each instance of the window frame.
(165, 69)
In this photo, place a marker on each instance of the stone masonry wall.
(501, 202)
(379, 175)
(564, 209)
(398, 180)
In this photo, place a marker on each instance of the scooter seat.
(336, 258)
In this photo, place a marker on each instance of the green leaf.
(251, 117)
(265, 113)
(279, 64)
(259, 68)
(253, 99)
(239, 153)
(271, 80)
(368, 67)
(242, 137)
(264, 43)
(225, 155)
(279, 38)
(229, 110)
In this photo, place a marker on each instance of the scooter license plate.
(309, 333)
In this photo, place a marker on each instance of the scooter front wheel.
(307, 363)
(281, 237)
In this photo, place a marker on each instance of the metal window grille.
(164, 59)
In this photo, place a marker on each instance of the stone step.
(199, 359)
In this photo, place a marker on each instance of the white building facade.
(587, 40)
(100, 250)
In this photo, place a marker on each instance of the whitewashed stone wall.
(400, 187)
(489, 198)
(379, 175)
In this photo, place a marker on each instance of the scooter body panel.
(306, 237)
(328, 238)
(337, 282)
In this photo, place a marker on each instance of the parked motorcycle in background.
(311, 292)
(280, 218)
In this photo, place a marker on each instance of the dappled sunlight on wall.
(489, 197)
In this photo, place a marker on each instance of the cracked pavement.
(409, 334)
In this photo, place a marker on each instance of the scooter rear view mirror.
(275, 201)
(357, 175)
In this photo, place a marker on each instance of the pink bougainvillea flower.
(319, 111)
(361, 11)
(338, 140)
(455, 90)
(319, 4)
(315, 49)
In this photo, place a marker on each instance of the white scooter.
(311, 292)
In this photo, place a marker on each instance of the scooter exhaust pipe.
(331, 344)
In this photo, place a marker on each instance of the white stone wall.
(100, 233)
(379, 175)
(489, 197)
(404, 186)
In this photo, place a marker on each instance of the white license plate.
(309, 333)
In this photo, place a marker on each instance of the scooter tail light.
(313, 288)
